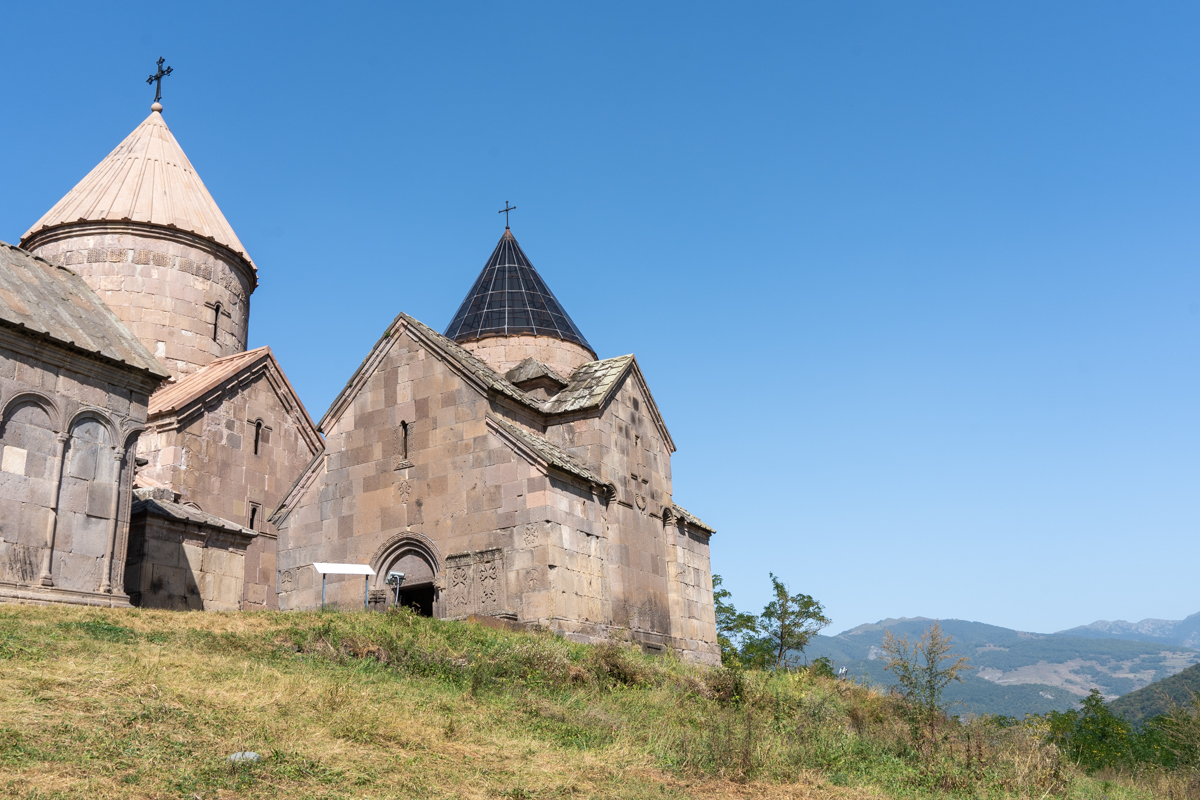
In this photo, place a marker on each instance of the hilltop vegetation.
(133, 703)
(1158, 698)
(1017, 673)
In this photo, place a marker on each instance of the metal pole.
(322, 591)
(366, 592)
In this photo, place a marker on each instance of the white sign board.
(324, 568)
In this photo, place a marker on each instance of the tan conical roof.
(146, 179)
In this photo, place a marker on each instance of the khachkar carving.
(535, 533)
(475, 583)
(460, 591)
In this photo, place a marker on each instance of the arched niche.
(419, 560)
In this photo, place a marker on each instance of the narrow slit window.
(258, 430)
(253, 516)
(404, 440)
(216, 321)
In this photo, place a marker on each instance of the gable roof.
(510, 298)
(181, 513)
(53, 301)
(531, 369)
(692, 519)
(596, 384)
(192, 393)
(544, 450)
(147, 179)
(479, 373)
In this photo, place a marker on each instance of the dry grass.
(91, 712)
(146, 704)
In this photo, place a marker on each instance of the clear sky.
(915, 285)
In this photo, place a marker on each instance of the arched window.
(253, 516)
(404, 440)
(217, 323)
(258, 428)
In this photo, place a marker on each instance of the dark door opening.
(418, 598)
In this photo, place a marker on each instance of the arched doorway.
(407, 566)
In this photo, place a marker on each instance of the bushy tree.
(922, 675)
(733, 627)
(1093, 736)
(774, 640)
(787, 625)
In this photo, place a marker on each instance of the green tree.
(1093, 736)
(785, 628)
(733, 627)
(922, 675)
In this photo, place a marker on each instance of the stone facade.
(500, 472)
(227, 435)
(186, 299)
(503, 353)
(183, 559)
(437, 467)
(69, 422)
(229, 441)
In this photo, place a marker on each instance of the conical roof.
(147, 179)
(510, 298)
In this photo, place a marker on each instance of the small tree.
(787, 625)
(1093, 736)
(921, 676)
(734, 627)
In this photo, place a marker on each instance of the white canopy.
(342, 569)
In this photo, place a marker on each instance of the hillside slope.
(1155, 699)
(102, 704)
(1016, 673)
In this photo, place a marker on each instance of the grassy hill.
(1016, 673)
(149, 704)
(1156, 698)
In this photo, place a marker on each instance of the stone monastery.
(149, 458)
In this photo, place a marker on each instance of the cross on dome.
(505, 211)
(157, 81)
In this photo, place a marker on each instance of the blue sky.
(915, 285)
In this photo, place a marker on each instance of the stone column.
(106, 582)
(52, 522)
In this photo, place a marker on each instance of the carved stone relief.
(476, 583)
(536, 532)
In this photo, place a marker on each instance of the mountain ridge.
(1019, 672)
(1182, 633)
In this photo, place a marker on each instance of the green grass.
(107, 704)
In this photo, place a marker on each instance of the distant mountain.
(1155, 699)
(1016, 673)
(1179, 633)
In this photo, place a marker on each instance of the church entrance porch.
(418, 598)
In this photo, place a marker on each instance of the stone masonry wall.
(462, 488)
(67, 434)
(166, 290)
(184, 566)
(508, 538)
(502, 353)
(211, 462)
(623, 447)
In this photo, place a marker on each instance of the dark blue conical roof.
(510, 298)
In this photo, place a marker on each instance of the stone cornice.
(44, 348)
(79, 229)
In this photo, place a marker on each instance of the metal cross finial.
(157, 79)
(507, 208)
